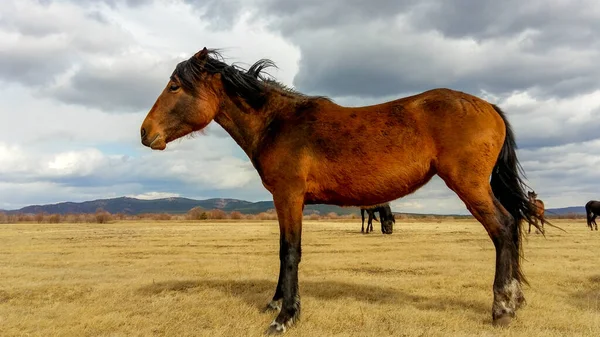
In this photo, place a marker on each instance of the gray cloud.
(359, 49)
(85, 53)
(487, 18)
(564, 175)
(348, 48)
(360, 63)
(540, 123)
(111, 3)
(553, 130)
(130, 84)
(42, 44)
(220, 14)
(291, 16)
(31, 68)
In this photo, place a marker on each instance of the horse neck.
(245, 124)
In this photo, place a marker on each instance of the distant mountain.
(566, 210)
(182, 205)
(172, 205)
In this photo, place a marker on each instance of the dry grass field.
(214, 278)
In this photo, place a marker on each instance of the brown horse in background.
(385, 213)
(539, 210)
(309, 150)
(592, 210)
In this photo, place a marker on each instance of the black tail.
(507, 184)
(508, 187)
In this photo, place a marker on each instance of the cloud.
(105, 55)
(385, 65)
(553, 121)
(197, 163)
(188, 168)
(564, 175)
(553, 20)
(129, 83)
(153, 195)
(30, 119)
(397, 47)
(41, 41)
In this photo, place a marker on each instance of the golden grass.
(213, 279)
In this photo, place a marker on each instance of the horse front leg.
(289, 213)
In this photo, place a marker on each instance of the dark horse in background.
(592, 210)
(304, 150)
(539, 210)
(385, 213)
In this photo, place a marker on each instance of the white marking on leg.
(278, 327)
(507, 300)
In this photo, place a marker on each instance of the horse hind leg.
(591, 218)
(362, 215)
(502, 229)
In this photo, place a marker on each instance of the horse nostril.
(143, 132)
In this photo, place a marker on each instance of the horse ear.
(201, 55)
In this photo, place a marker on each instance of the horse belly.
(359, 185)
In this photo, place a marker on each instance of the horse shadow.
(258, 292)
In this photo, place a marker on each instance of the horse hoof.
(502, 321)
(275, 329)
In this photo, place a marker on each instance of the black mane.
(251, 85)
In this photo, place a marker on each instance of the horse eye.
(173, 87)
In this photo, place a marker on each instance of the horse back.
(593, 205)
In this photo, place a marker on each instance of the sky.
(79, 76)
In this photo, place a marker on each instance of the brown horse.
(385, 213)
(539, 210)
(592, 210)
(308, 150)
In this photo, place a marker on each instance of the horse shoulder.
(282, 165)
